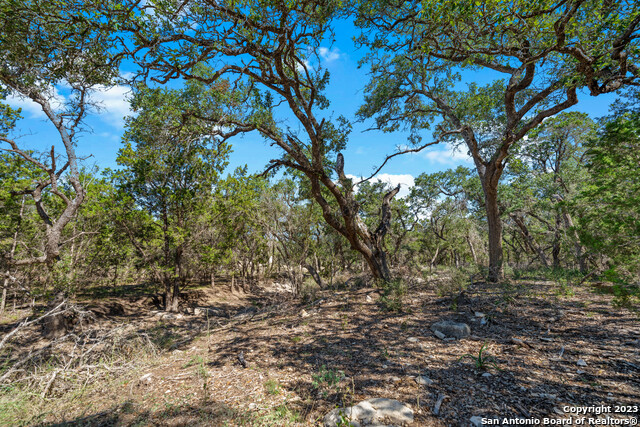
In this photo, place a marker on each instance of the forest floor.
(551, 347)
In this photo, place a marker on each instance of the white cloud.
(447, 156)
(113, 104)
(110, 136)
(406, 181)
(325, 55)
(111, 101)
(329, 55)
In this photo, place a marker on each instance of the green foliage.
(237, 221)
(482, 361)
(272, 387)
(45, 43)
(8, 116)
(565, 288)
(171, 159)
(281, 415)
(16, 174)
(610, 203)
(343, 419)
(170, 164)
(626, 296)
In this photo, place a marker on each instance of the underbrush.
(46, 376)
(625, 295)
(393, 291)
(551, 274)
(452, 281)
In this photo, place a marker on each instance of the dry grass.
(183, 370)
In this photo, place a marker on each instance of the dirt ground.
(547, 348)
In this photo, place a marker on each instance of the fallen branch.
(49, 383)
(26, 323)
(436, 408)
(24, 360)
(521, 342)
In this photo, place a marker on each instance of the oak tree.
(540, 56)
(268, 50)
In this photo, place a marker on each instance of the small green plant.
(483, 360)
(343, 419)
(384, 354)
(327, 380)
(345, 321)
(296, 339)
(163, 335)
(195, 360)
(393, 291)
(308, 291)
(517, 274)
(201, 373)
(272, 387)
(454, 282)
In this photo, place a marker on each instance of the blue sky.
(365, 150)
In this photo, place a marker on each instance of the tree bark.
(5, 285)
(314, 274)
(568, 221)
(14, 244)
(369, 245)
(576, 245)
(472, 249)
(529, 239)
(556, 243)
(172, 296)
(495, 231)
(432, 264)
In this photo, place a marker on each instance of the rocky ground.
(266, 359)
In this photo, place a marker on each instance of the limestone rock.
(146, 378)
(372, 412)
(391, 410)
(439, 334)
(422, 380)
(206, 311)
(363, 412)
(451, 329)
